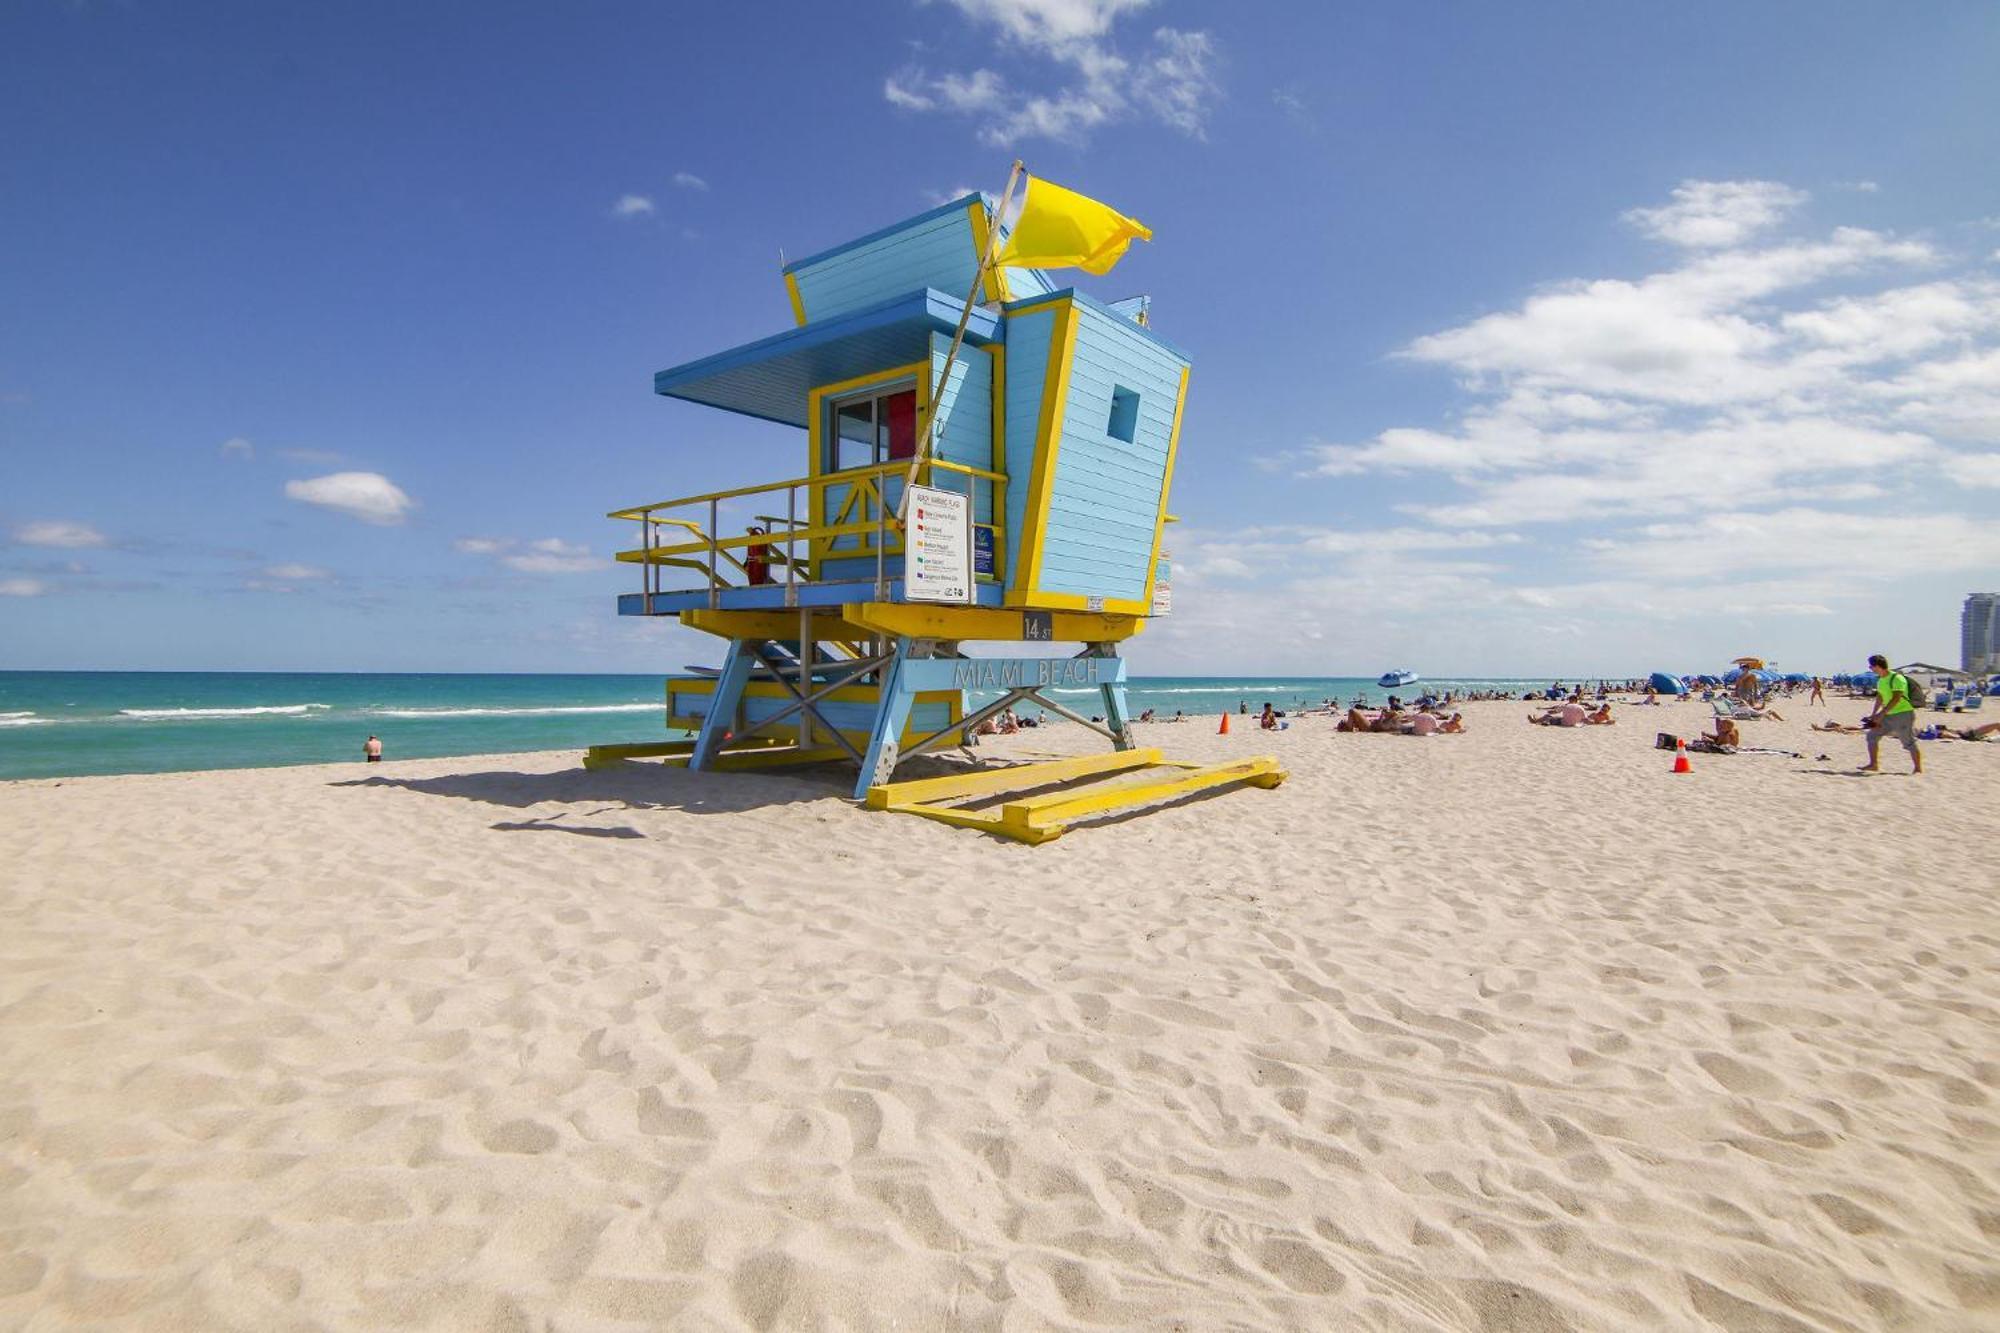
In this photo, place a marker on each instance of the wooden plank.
(781, 626)
(777, 756)
(984, 623)
(1037, 819)
(1015, 777)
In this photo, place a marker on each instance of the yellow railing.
(863, 514)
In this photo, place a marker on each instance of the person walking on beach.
(373, 749)
(1818, 694)
(1894, 715)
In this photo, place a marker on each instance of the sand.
(1512, 1030)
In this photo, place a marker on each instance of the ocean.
(73, 723)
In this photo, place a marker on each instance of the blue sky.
(1555, 338)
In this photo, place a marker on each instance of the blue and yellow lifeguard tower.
(991, 468)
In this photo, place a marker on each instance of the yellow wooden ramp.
(1036, 802)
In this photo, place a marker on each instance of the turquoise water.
(65, 723)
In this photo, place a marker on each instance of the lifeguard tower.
(991, 468)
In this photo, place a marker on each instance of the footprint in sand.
(1300, 1267)
(1737, 1076)
(520, 1136)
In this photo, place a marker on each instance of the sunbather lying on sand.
(1562, 715)
(1831, 725)
(1989, 731)
(1601, 718)
(1356, 720)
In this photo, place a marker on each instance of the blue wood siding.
(861, 567)
(1027, 366)
(1106, 497)
(964, 422)
(934, 250)
(1023, 283)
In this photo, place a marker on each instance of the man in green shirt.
(1894, 715)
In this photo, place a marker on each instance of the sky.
(1560, 339)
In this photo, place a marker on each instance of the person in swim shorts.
(1894, 716)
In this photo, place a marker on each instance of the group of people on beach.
(1394, 720)
(1573, 713)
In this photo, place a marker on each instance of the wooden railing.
(670, 541)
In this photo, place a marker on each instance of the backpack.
(1918, 696)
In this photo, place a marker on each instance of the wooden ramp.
(1035, 802)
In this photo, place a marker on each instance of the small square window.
(1124, 414)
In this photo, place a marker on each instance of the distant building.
(1979, 634)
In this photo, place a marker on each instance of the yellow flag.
(1060, 228)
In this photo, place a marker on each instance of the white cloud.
(1718, 213)
(238, 447)
(22, 587)
(296, 573)
(1693, 335)
(979, 91)
(1724, 380)
(632, 206)
(60, 533)
(549, 555)
(368, 496)
(1977, 470)
(687, 180)
(910, 99)
(1878, 546)
(1177, 80)
(939, 198)
(1260, 550)
(552, 555)
(1052, 25)
(1171, 80)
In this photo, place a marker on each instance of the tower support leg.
(899, 695)
(1115, 712)
(721, 719)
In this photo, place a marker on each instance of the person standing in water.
(373, 749)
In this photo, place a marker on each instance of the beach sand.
(1508, 1031)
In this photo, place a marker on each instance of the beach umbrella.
(1750, 663)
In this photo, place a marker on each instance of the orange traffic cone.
(1223, 730)
(1681, 764)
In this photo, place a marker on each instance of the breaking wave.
(274, 710)
(551, 710)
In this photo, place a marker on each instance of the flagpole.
(923, 449)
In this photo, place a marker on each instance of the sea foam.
(550, 711)
(171, 714)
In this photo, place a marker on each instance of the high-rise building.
(1979, 633)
